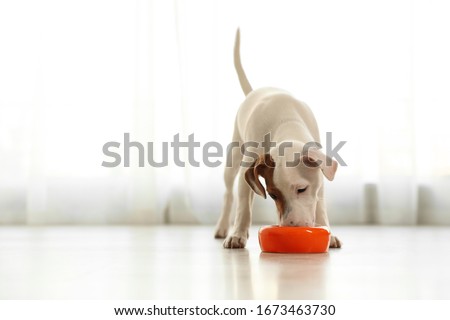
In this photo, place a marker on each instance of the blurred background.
(77, 74)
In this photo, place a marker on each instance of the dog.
(293, 177)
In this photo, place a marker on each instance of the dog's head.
(294, 181)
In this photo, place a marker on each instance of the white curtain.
(77, 74)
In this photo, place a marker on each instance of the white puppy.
(293, 170)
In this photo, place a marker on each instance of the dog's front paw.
(335, 242)
(221, 232)
(235, 241)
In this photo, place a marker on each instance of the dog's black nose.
(294, 223)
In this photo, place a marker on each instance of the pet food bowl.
(294, 239)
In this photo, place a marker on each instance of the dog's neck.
(293, 130)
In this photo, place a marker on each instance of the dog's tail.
(245, 85)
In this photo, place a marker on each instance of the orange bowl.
(294, 239)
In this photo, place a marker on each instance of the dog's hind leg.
(232, 166)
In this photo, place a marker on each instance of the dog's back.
(265, 109)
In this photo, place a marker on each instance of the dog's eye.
(274, 197)
(301, 190)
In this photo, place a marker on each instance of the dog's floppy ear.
(315, 158)
(263, 166)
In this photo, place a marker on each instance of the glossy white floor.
(185, 262)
